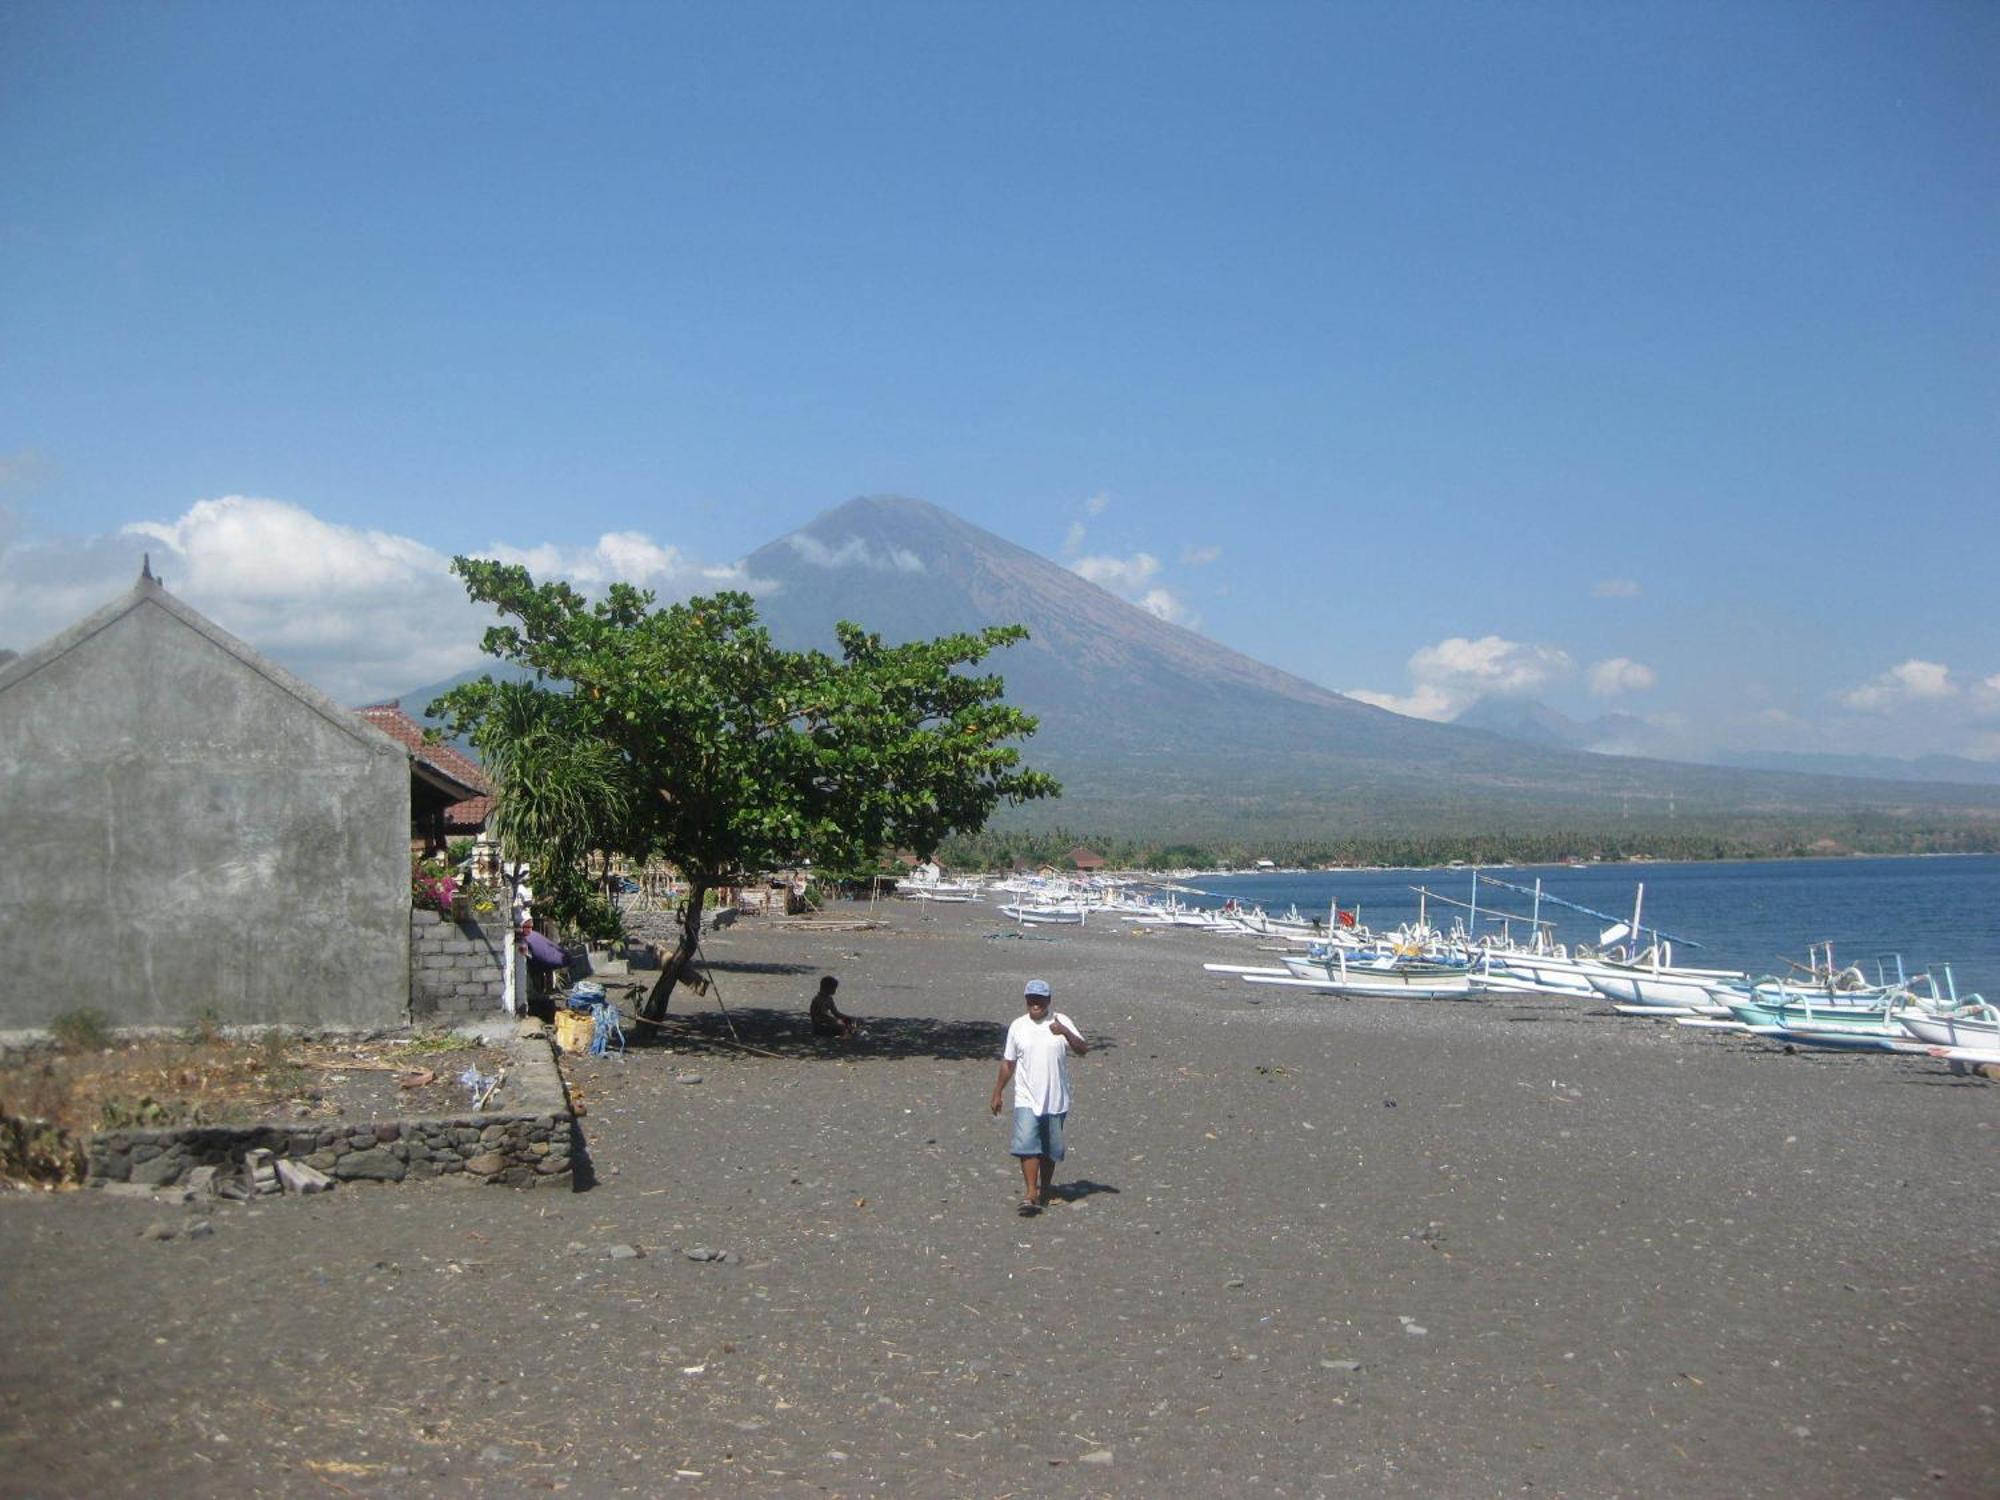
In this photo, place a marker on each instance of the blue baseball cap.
(1038, 989)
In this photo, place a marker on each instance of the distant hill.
(1623, 734)
(1538, 724)
(1948, 768)
(1160, 733)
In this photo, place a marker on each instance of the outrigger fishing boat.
(1046, 914)
(1386, 976)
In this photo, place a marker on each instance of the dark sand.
(1307, 1248)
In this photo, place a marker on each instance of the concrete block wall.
(455, 967)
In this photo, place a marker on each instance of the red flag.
(1347, 919)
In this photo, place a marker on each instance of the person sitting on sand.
(827, 1021)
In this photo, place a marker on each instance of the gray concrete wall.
(187, 828)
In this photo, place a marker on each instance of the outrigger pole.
(1488, 912)
(1602, 916)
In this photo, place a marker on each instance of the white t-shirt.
(1041, 1063)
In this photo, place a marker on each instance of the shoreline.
(1300, 1247)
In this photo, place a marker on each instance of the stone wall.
(533, 1142)
(455, 967)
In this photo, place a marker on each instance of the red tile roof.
(448, 760)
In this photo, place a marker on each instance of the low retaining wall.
(532, 1141)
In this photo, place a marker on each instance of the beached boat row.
(1825, 1005)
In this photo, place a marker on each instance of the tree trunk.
(655, 1006)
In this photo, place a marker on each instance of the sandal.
(1029, 1208)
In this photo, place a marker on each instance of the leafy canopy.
(720, 752)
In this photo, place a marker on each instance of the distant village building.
(1084, 860)
(191, 830)
(450, 797)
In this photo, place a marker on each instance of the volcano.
(1157, 731)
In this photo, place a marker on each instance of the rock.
(687, 1078)
(1345, 1366)
(701, 1252)
(300, 1178)
(157, 1171)
(160, 1229)
(1235, 1281)
(486, 1164)
(200, 1230)
(373, 1166)
(201, 1181)
(624, 1252)
(1100, 1456)
(262, 1175)
(531, 1030)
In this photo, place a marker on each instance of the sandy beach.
(1300, 1248)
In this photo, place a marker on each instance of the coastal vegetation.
(998, 848)
(685, 734)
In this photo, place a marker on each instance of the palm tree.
(561, 794)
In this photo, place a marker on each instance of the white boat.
(1652, 981)
(927, 883)
(1377, 976)
(1973, 1026)
(1048, 914)
(1365, 984)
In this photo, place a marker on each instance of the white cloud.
(1167, 606)
(1131, 578)
(1073, 539)
(1425, 703)
(1615, 588)
(855, 553)
(620, 557)
(359, 613)
(246, 549)
(1122, 575)
(1447, 677)
(1619, 674)
(1197, 557)
(1913, 682)
(1097, 504)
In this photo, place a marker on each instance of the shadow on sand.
(1083, 1187)
(697, 1025)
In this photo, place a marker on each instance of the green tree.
(739, 756)
(561, 791)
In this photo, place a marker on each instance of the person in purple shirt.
(545, 957)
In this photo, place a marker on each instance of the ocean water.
(1751, 915)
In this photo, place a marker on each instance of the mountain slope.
(1155, 729)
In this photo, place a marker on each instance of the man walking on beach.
(1036, 1061)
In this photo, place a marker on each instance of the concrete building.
(186, 828)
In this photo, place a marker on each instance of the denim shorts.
(1038, 1135)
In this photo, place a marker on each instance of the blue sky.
(1638, 358)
